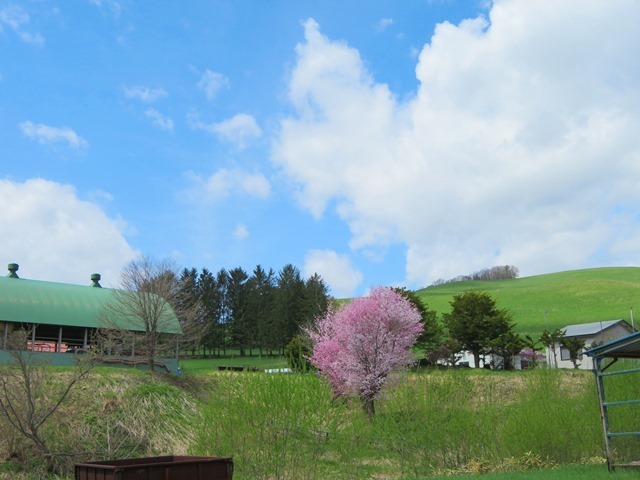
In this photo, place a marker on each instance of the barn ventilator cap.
(95, 280)
(13, 268)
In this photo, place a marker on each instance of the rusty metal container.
(157, 468)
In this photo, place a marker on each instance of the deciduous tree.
(30, 396)
(574, 345)
(552, 340)
(530, 351)
(360, 344)
(142, 309)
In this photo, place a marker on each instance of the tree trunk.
(151, 358)
(476, 359)
(368, 405)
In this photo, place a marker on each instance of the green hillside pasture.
(288, 426)
(573, 297)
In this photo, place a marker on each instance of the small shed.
(604, 357)
(593, 333)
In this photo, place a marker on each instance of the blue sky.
(375, 143)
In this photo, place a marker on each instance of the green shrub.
(297, 351)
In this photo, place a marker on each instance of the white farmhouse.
(595, 333)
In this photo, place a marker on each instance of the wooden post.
(84, 342)
(33, 338)
(59, 343)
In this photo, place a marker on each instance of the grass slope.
(573, 297)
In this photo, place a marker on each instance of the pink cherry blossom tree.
(359, 345)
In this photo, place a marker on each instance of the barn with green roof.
(63, 318)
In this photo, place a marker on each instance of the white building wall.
(585, 362)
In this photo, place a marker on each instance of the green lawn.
(571, 472)
(579, 296)
(206, 365)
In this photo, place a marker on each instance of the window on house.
(566, 356)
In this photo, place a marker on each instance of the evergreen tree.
(507, 345)
(239, 323)
(188, 300)
(210, 301)
(432, 336)
(289, 305)
(223, 310)
(316, 297)
(260, 304)
(475, 321)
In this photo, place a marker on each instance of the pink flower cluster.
(358, 345)
(529, 354)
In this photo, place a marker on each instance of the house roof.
(589, 329)
(624, 347)
(52, 303)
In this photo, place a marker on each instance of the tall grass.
(281, 427)
(289, 426)
(275, 426)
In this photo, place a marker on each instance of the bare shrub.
(29, 399)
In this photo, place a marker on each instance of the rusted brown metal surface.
(157, 468)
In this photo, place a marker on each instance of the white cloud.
(144, 94)
(113, 5)
(47, 135)
(239, 129)
(159, 120)
(211, 83)
(225, 183)
(56, 236)
(336, 270)
(383, 24)
(241, 232)
(519, 147)
(17, 19)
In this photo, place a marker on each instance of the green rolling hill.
(554, 300)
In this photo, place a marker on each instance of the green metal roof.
(51, 303)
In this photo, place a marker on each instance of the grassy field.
(570, 472)
(554, 300)
(536, 424)
(433, 423)
(207, 365)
